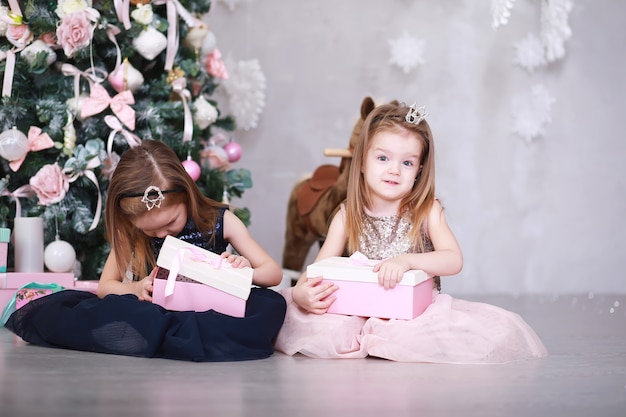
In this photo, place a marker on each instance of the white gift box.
(192, 278)
(360, 294)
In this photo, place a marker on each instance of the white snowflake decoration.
(231, 4)
(245, 88)
(406, 52)
(530, 53)
(555, 29)
(500, 12)
(532, 112)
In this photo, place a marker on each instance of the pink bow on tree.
(37, 141)
(116, 127)
(99, 100)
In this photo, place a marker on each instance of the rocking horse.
(313, 200)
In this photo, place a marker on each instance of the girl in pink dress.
(391, 214)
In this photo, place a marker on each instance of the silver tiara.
(415, 115)
(152, 201)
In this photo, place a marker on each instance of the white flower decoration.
(71, 6)
(231, 4)
(530, 53)
(500, 12)
(554, 27)
(531, 113)
(4, 11)
(143, 14)
(406, 52)
(245, 88)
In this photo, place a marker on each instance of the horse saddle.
(324, 177)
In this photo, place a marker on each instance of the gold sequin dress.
(451, 330)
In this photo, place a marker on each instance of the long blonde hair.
(152, 163)
(415, 205)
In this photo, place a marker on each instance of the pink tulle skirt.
(449, 331)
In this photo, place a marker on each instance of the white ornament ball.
(59, 256)
(150, 43)
(13, 144)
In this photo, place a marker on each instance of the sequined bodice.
(193, 235)
(388, 236)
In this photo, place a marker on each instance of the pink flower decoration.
(214, 65)
(215, 157)
(19, 35)
(74, 32)
(50, 38)
(50, 184)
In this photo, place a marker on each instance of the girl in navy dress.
(151, 196)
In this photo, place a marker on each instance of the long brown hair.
(152, 163)
(415, 205)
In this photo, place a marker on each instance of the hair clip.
(154, 201)
(416, 115)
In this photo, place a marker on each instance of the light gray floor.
(585, 375)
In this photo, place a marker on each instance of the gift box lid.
(219, 275)
(342, 269)
(5, 234)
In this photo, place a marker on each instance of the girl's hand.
(236, 261)
(314, 296)
(390, 271)
(143, 288)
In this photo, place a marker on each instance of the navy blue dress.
(123, 325)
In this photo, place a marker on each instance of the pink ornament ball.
(233, 151)
(192, 168)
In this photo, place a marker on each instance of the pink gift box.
(360, 294)
(86, 285)
(19, 279)
(10, 282)
(204, 281)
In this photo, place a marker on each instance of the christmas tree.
(84, 80)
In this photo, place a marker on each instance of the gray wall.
(540, 217)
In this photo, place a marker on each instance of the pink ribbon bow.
(178, 87)
(99, 100)
(25, 191)
(195, 255)
(73, 175)
(358, 259)
(122, 8)
(175, 9)
(37, 141)
(93, 75)
(114, 123)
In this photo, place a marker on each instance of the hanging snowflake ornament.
(231, 4)
(245, 89)
(529, 53)
(555, 29)
(407, 52)
(532, 112)
(500, 12)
